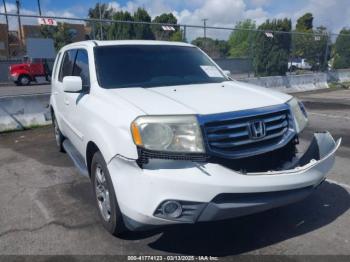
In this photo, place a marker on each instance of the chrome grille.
(227, 135)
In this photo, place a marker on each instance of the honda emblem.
(257, 129)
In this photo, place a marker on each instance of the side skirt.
(76, 157)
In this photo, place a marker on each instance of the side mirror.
(72, 84)
(227, 73)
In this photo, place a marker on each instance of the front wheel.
(58, 135)
(48, 78)
(23, 80)
(106, 200)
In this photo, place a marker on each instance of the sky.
(334, 14)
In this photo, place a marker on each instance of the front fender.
(21, 72)
(109, 126)
(112, 141)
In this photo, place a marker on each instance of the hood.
(201, 98)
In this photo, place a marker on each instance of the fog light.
(171, 209)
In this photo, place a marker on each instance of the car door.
(62, 112)
(76, 102)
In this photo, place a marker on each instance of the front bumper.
(210, 191)
(13, 78)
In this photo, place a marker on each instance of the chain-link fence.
(245, 52)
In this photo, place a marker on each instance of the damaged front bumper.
(211, 191)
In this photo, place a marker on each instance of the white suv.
(167, 137)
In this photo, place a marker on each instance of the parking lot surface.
(47, 208)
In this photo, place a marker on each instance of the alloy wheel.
(102, 194)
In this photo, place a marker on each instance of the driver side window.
(67, 64)
(81, 67)
(75, 62)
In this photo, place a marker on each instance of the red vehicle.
(30, 71)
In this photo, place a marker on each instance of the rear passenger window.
(81, 67)
(67, 64)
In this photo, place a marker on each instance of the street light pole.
(7, 28)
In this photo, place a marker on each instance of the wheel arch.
(91, 149)
(25, 74)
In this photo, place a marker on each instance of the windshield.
(153, 65)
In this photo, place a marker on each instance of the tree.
(158, 31)
(319, 52)
(305, 23)
(106, 13)
(142, 31)
(177, 36)
(270, 54)
(121, 31)
(60, 34)
(241, 39)
(311, 44)
(214, 48)
(342, 50)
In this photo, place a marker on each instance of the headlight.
(299, 114)
(168, 133)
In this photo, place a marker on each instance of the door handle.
(66, 102)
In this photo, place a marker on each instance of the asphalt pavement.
(48, 208)
(13, 90)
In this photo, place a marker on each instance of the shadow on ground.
(38, 144)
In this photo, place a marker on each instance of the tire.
(106, 200)
(58, 135)
(23, 80)
(48, 78)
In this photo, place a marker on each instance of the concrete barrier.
(339, 75)
(21, 112)
(291, 83)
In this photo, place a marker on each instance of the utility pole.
(184, 34)
(18, 5)
(205, 31)
(7, 28)
(205, 27)
(101, 28)
(39, 7)
(326, 51)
